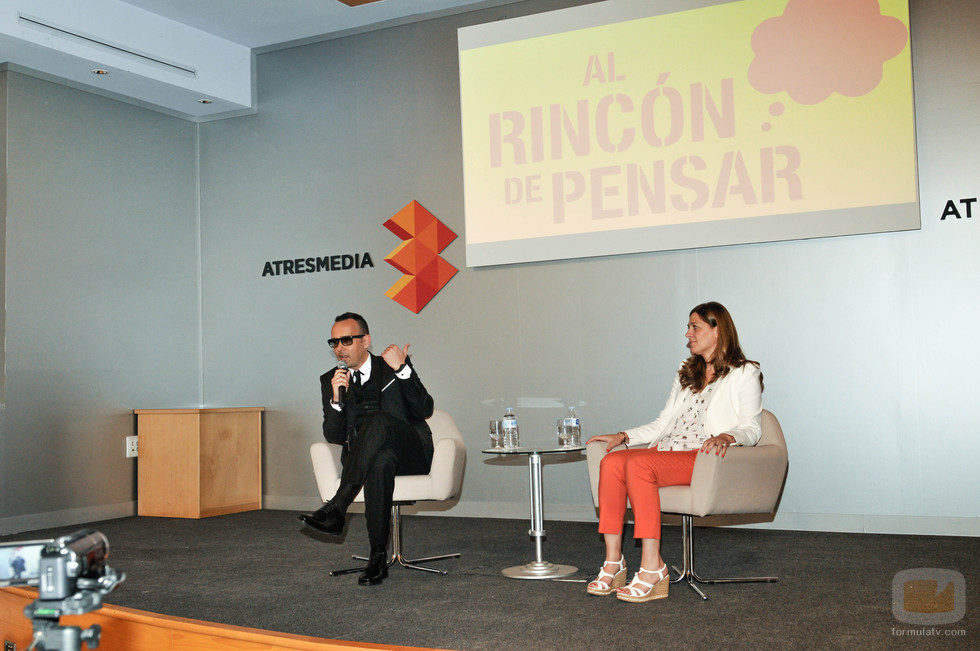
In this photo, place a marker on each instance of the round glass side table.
(538, 568)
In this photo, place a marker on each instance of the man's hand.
(341, 378)
(395, 356)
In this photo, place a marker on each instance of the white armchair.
(745, 480)
(442, 483)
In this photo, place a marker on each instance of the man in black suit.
(375, 406)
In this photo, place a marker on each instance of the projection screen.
(646, 125)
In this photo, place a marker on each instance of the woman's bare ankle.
(653, 566)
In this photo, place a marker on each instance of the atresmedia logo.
(928, 596)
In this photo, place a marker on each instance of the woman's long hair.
(728, 354)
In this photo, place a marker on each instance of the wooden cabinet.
(195, 463)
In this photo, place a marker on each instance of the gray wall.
(101, 295)
(865, 341)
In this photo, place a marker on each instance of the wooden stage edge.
(137, 630)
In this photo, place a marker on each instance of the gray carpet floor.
(260, 570)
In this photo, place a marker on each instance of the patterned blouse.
(688, 433)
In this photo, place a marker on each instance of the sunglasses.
(346, 341)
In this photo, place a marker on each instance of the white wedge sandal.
(653, 591)
(606, 583)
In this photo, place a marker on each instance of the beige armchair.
(745, 480)
(442, 483)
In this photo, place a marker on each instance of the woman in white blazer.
(715, 402)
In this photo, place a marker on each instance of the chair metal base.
(688, 574)
(395, 555)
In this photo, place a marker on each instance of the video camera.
(71, 576)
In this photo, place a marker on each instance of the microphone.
(342, 391)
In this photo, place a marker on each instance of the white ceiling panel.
(268, 23)
(189, 58)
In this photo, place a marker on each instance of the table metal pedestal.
(538, 568)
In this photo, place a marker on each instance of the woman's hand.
(718, 444)
(611, 439)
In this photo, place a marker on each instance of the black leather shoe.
(326, 519)
(376, 570)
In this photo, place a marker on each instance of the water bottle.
(573, 428)
(512, 438)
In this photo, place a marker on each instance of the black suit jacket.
(405, 400)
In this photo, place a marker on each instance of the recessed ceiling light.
(206, 101)
(100, 71)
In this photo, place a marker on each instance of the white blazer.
(735, 408)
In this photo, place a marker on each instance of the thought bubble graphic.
(818, 47)
(775, 109)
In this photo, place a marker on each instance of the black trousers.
(382, 448)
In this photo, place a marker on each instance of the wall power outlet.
(132, 446)
(9, 646)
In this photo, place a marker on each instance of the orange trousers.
(637, 475)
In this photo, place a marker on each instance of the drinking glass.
(496, 434)
(561, 432)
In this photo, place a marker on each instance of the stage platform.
(128, 628)
(258, 572)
